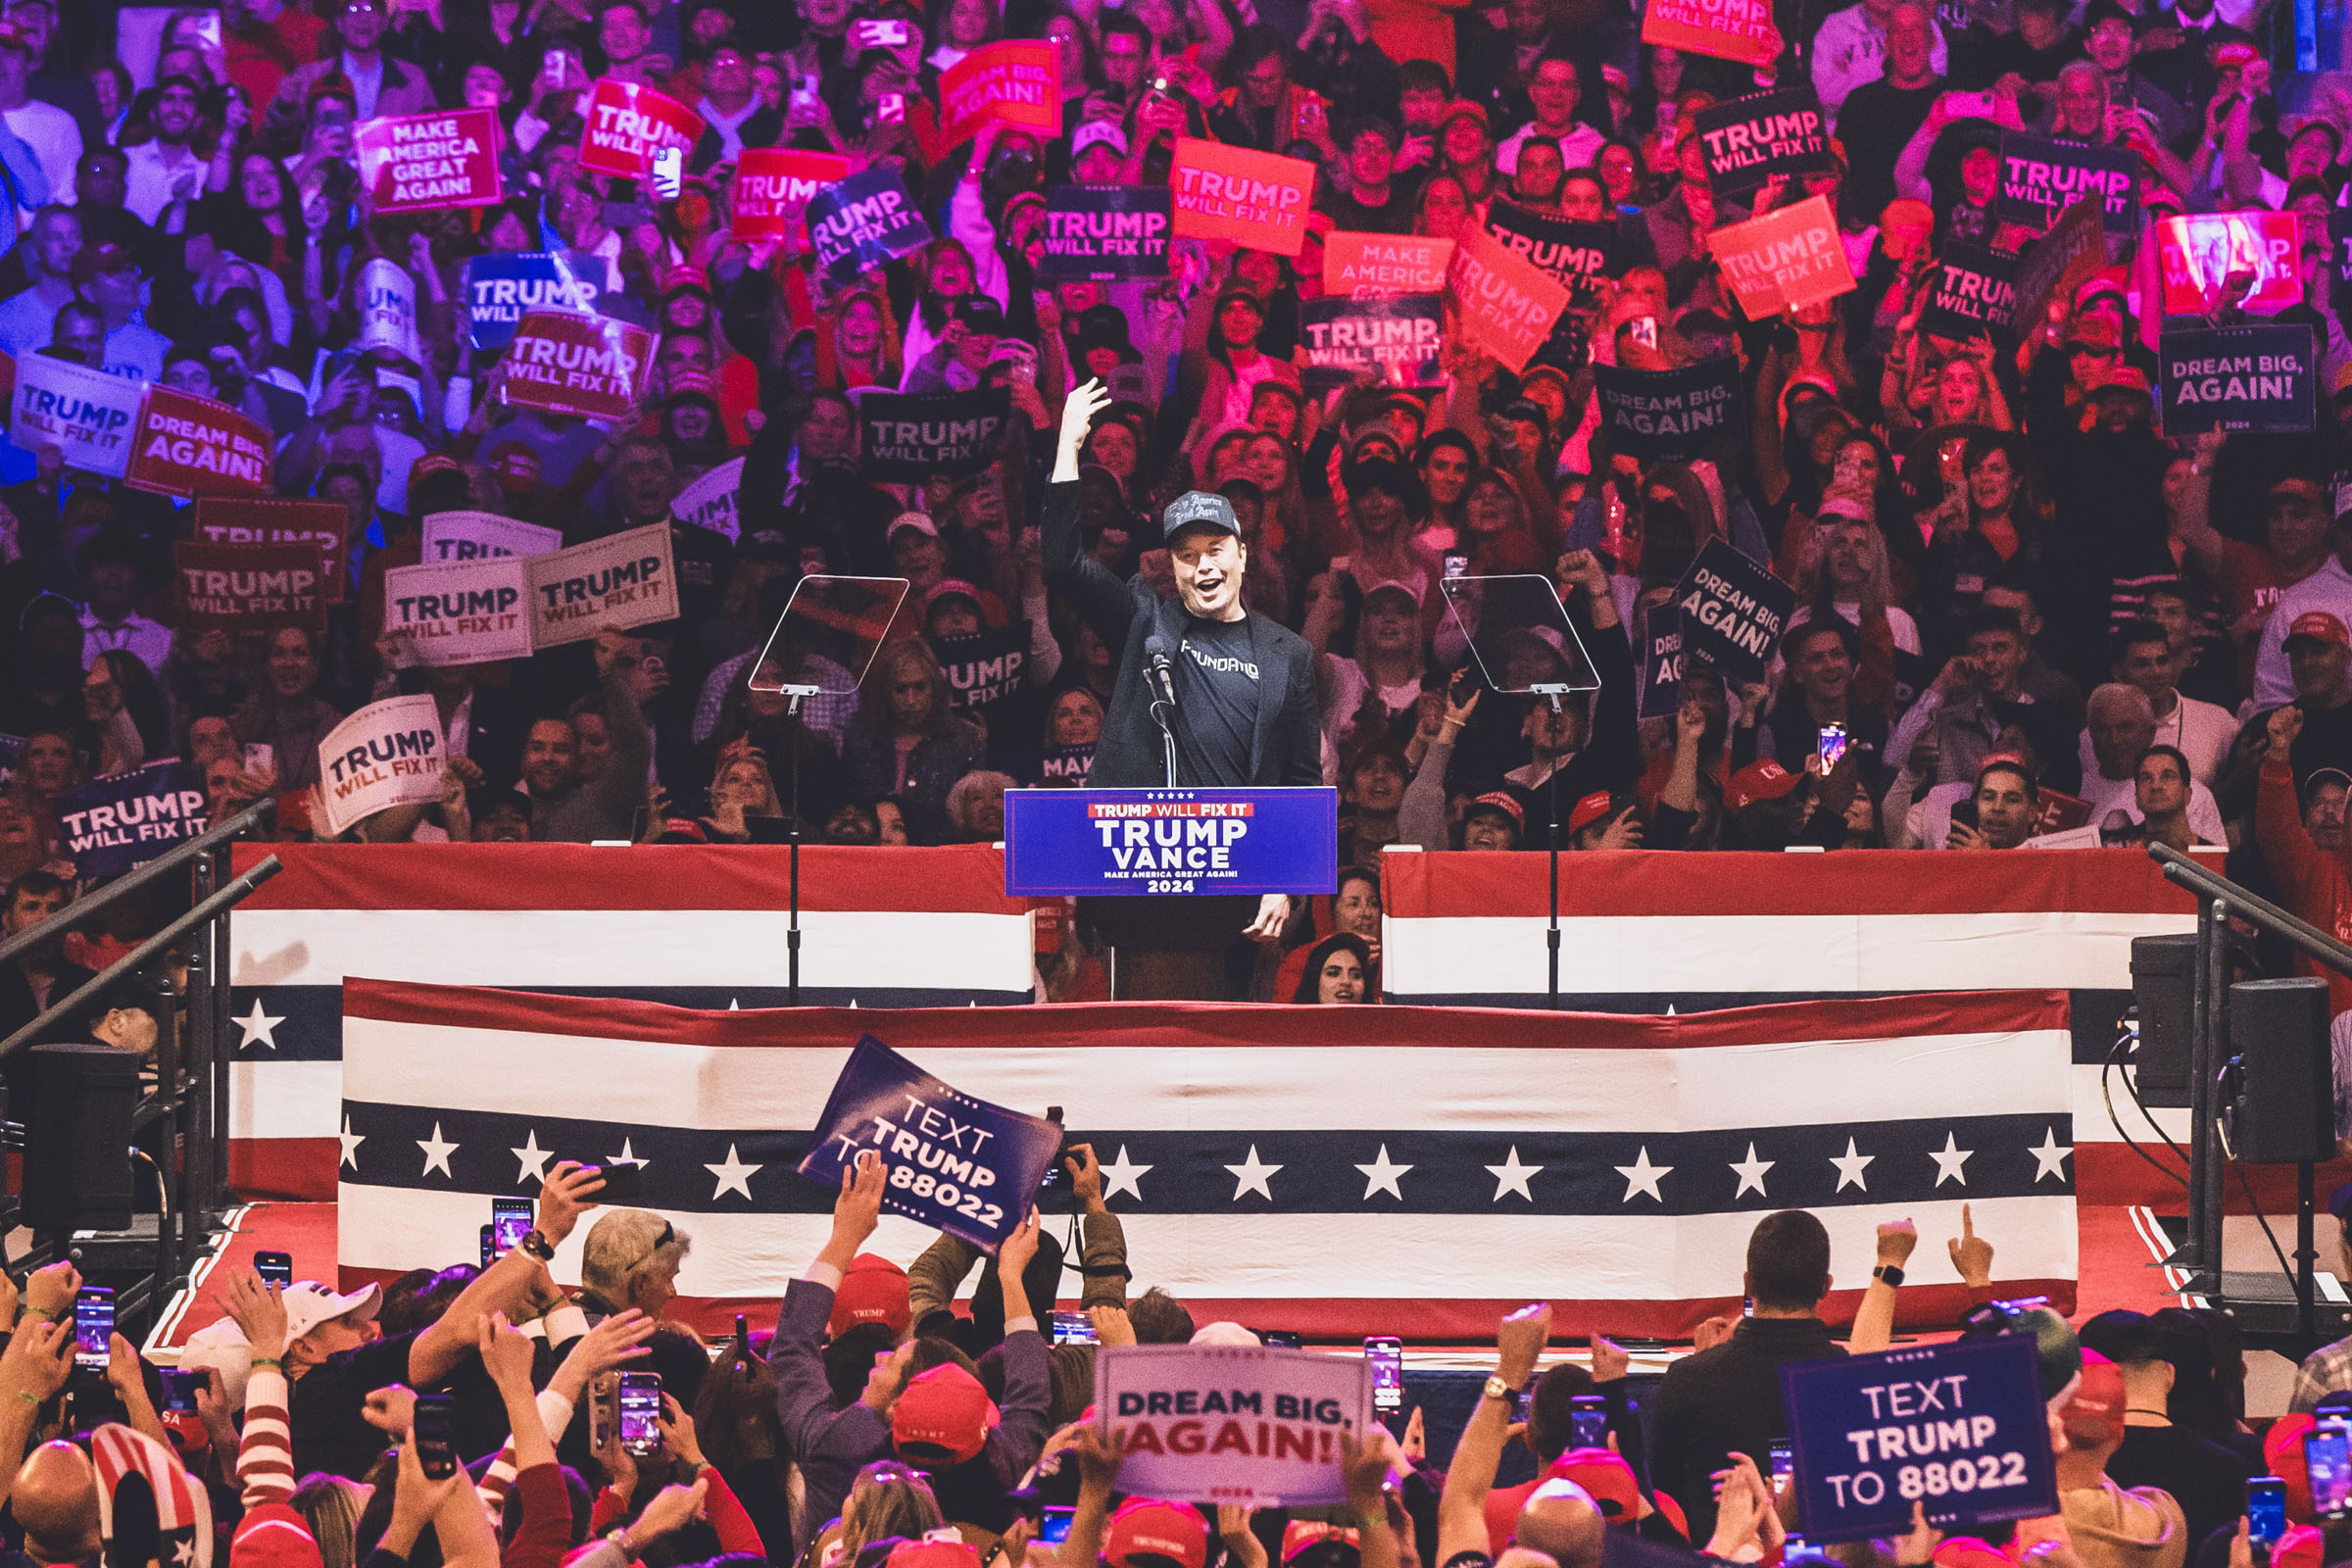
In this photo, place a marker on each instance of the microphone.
(1163, 675)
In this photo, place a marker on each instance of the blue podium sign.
(1144, 842)
(1960, 1427)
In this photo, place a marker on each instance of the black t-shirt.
(2207, 1479)
(329, 1431)
(1218, 692)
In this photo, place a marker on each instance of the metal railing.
(192, 1067)
(2217, 900)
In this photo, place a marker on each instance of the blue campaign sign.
(957, 1164)
(120, 821)
(1960, 1427)
(1059, 843)
(500, 288)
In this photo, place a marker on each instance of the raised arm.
(510, 1283)
(1462, 1509)
(1101, 598)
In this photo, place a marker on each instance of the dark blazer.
(1285, 748)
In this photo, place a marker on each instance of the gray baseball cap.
(1198, 509)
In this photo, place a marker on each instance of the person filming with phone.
(1234, 689)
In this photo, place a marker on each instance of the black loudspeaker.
(76, 1118)
(2164, 983)
(2286, 1104)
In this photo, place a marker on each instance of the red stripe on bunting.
(1463, 885)
(1423, 1319)
(967, 878)
(1162, 1027)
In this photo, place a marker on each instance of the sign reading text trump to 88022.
(1959, 1428)
(1065, 843)
(1236, 1424)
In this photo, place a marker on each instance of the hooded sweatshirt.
(2115, 1528)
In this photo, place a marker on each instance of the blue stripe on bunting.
(2095, 1014)
(1404, 1171)
(304, 1023)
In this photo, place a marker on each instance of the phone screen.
(1279, 1338)
(2266, 1508)
(1386, 1358)
(436, 1428)
(640, 1410)
(1832, 743)
(555, 66)
(1784, 1463)
(669, 172)
(509, 1221)
(2325, 1456)
(489, 1246)
(1074, 1328)
(276, 1268)
(93, 1325)
(180, 1389)
(1054, 1528)
(890, 109)
(1589, 1421)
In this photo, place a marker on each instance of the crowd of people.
(884, 1422)
(2023, 613)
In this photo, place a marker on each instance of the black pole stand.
(1167, 736)
(793, 695)
(1552, 694)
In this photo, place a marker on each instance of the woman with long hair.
(886, 1500)
(906, 741)
(956, 28)
(1987, 527)
(739, 790)
(1378, 691)
(857, 341)
(1623, 177)
(284, 710)
(1443, 207)
(1339, 972)
(1848, 577)
(944, 275)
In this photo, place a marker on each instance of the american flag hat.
(184, 1513)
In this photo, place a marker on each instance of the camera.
(1057, 1178)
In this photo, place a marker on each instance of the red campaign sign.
(190, 446)
(1017, 83)
(2200, 250)
(324, 525)
(423, 163)
(774, 184)
(248, 587)
(627, 125)
(592, 366)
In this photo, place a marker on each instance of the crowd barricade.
(694, 926)
(1334, 1171)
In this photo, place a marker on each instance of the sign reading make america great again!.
(916, 435)
(422, 163)
(1748, 140)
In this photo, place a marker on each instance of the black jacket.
(1286, 748)
(1724, 1400)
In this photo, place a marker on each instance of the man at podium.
(1235, 689)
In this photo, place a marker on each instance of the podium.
(1170, 843)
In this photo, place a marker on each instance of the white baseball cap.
(223, 1345)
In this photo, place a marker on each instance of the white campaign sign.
(388, 308)
(624, 579)
(1233, 1424)
(459, 612)
(711, 501)
(472, 535)
(387, 754)
(84, 414)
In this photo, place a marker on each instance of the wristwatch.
(1889, 1272)
(538, 1245)
(1496, 1389)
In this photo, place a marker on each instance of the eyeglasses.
(668, 1234)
